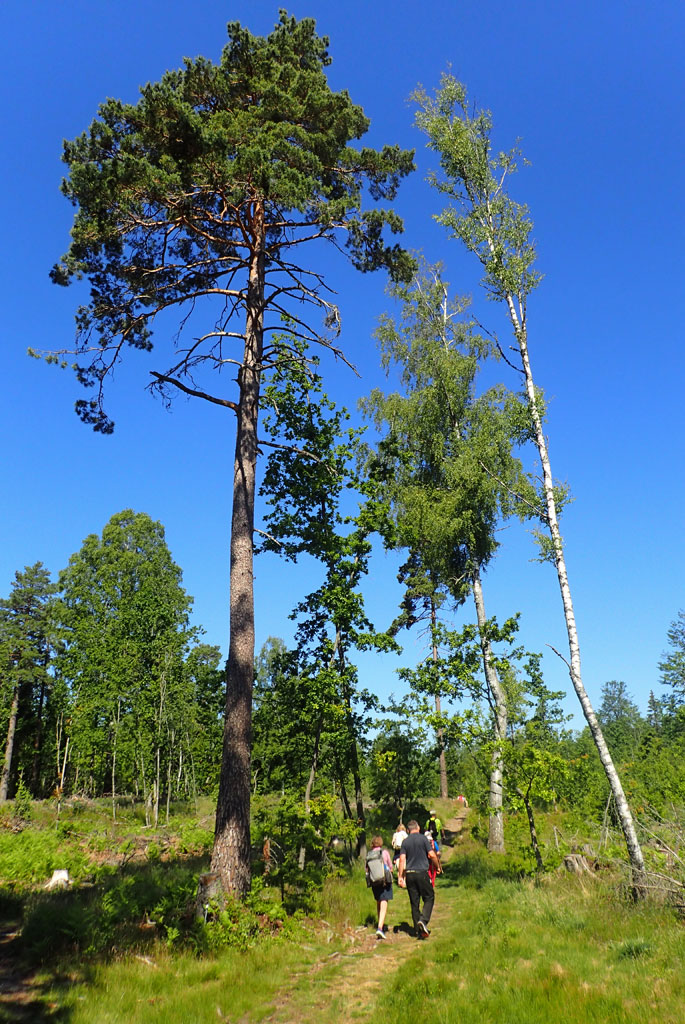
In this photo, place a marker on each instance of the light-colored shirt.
(399, 838)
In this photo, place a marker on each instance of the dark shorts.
(382, 892)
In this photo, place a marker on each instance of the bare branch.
(493, 336)
(568, 665)
(269, 537)
(163, 379)
(291, 448)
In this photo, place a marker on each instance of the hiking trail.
(349, 982)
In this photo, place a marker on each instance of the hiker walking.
(415, 857)
(434, 826)
(397, 840)
(432, 869)
(379, 879)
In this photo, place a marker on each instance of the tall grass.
(525, 953)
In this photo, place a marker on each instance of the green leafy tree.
(497, 230)
(27, 645)
(423, 598)
(533, 763)
(401, 765)
(196, 201)
(285, 721)
(125, 620)
(305, 481)
(672, 667)
(205, 687)
(621, 721)
(446, 461)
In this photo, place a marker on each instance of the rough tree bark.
(231, 854)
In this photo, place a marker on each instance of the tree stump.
(576, 863)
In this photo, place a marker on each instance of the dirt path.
(349, 982)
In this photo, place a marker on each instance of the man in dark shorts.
(412, 875)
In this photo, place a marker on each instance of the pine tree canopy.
(215, 164)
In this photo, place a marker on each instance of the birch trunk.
(518, 321)
(231, 853)
(444, 793)
(496, 821)
(310, 785)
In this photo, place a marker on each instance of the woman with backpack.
(379, 879)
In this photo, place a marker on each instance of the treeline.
(106, 688)
(108, 691)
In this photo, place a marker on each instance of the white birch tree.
(497, 231)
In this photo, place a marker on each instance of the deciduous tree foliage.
(446, 460)
(196, 200)
(124, 616)
(305, 482)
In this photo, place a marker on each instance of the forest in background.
(108, 692)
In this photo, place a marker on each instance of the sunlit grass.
(505, 949)
(557, 952)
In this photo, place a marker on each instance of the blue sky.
(594, 93)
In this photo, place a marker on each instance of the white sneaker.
(380, 934)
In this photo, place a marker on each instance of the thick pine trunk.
(231, 853)
(496, 821)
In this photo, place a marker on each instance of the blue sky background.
(595, 94)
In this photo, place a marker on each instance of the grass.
(522, 953)
(505, 948)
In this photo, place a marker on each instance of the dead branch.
(162, 378)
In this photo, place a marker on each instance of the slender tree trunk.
(146, 801)
(168, 780)
(9, 745)
(38, 742)
(343, 794)
(518, 322)
(158, 769)
(61, 774)
(354, 758)
(531, 826)
(496, 821)
(114, 761)
(231, 853)
(310, 784)
(444, 793)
